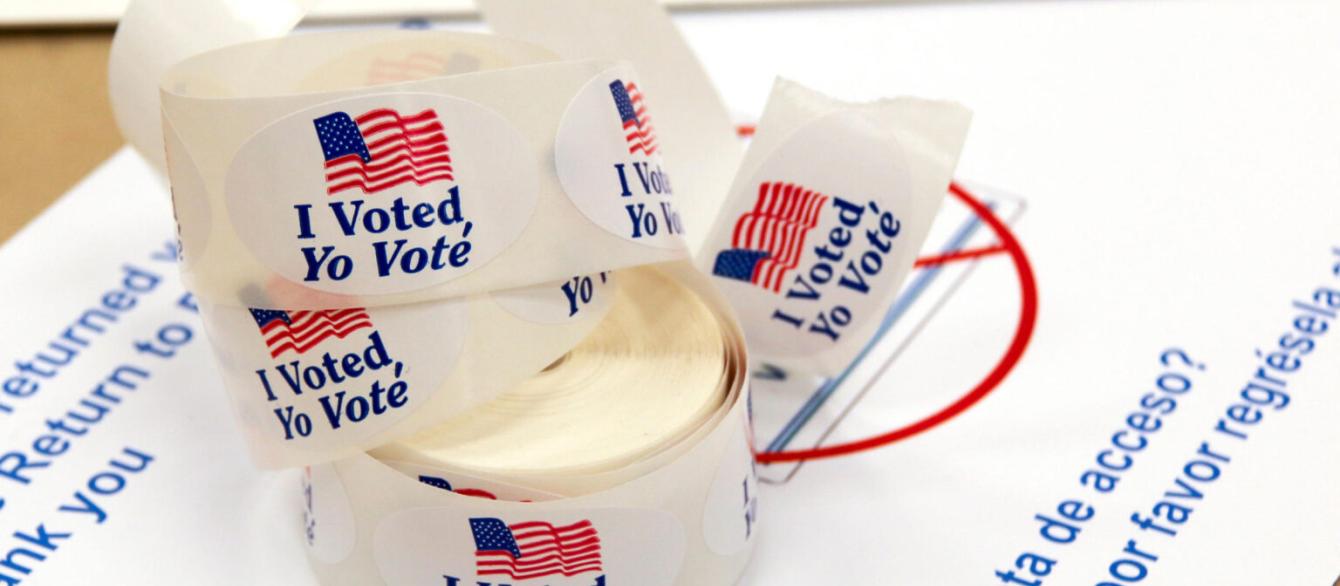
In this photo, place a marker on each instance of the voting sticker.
(812, 237)
(383, 193)
(324, 379)
(609, 161)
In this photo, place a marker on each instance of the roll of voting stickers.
(457, 279)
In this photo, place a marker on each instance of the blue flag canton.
(264, 317)
(435, 482)
(340, 136)
(738, 263)
(494, 535)
(627, 112)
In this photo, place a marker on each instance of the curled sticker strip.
(425, 189)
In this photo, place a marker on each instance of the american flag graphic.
(768, 239)
(381, 149)
(534, 549)
(302, 330)
(637, 128)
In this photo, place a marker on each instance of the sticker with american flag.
(767, 240)
(382, 148)
(608, 157)
(811, 249)
(534, 549)
(315, 381)
(382, 193)
(301, 330)
(637, 128)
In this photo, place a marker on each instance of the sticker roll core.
(634, 469)
(648, 376)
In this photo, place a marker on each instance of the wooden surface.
(55, 124)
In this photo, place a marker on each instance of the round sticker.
(325, 379)
(812, 246)
(578, 547)
(384, 193)
(609, 161)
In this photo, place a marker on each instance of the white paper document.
(122, 461)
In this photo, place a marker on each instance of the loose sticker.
(609, 162)
(324, 379)
(327, 518)
(557, 303)
(525, 546)
(384, 193)
(812, 243)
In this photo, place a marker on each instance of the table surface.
(55, 123)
